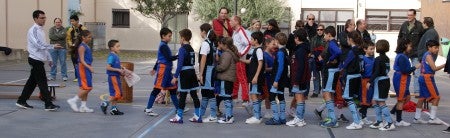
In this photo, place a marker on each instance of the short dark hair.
(36, 13)
(359, 22)
(221, 8)
(330, 30)
(401, 47)
(258, 36)
(112, 43)
(382, 46)
(74, 17)
(54, 20)
(347, 23)
(431, 43)
(282, 38)
(428, 21)
(301, 34)
(186, 34)
(367, 44)
(413, 10)
(356, 37)
(164, 31)
(299, 23)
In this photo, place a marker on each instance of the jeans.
(316, 75)
(58, 54)
(415, 61)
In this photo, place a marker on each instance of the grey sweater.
(226, 69)
(58, 36)
(430, 34)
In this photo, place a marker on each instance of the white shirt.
(259, 54)
(37, 45)
(204, 49)
(241, 41)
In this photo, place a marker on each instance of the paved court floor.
(15, 122)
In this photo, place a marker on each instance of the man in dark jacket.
(361, 28)
(311, 26)
(429, 34)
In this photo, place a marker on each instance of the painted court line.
(148, 130)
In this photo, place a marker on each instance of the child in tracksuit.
(380, 83)
(428, 89)
(207, 72)
(299, 81)
(188, 82)
(352, 77)
(163, 72)
(256, 76)
(402, 79)
(280, 81)
(331, 61)
(226, 73)
(114, 70)
(366, 94)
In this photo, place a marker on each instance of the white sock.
(76, 98)
(321, 107)
(418, 113)
(83, 103)
(433, 112)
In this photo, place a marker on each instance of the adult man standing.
(311, 26)
(412, 30)
(242, 43)
(361, 28)
(317, 47)
(38, 49)
(57, 35)
(221, 25)
(429, 34)
(72, 37)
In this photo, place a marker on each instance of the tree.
(163, 10)
(263, 10)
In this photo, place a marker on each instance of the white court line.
(428, 113)
(9, 82)
(148, 130)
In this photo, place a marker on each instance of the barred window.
(386, 20)
(121, 18)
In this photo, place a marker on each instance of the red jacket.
(219, 27)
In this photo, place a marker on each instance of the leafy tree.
(263, 10)
(163, 10)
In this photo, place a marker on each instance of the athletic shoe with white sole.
(84, 109)
(253, 120)
(150, 112)
(402, 123)
(354, 126)
(387, 127)
(73, 104)
(296, 122)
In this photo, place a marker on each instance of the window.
(329, 17)
(386, 20)
(121, 18)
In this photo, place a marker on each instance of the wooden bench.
(51, 88)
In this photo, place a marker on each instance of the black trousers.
(37, 77)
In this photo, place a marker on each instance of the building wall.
(437, 10)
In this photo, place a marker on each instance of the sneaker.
(402, 123)
(419, 121)
(377, 125)
(51, 78)
(73, 104)
(51, 107)
(253, 120)
(24, 105)
(84, 109)
(64, 78)
(75, 80)
(227, 120)
(210, 119)
(387, 127)
(176, 119)
(296, 122)
(435, 121)
(272, 121)
(366, 121)
(318, 114)
(342, 119)
(195, 119)
(115, 112)
(446, 131)
(104, 106)
(354, 126)
(329, 124)
(314, 95)
(150, 112)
